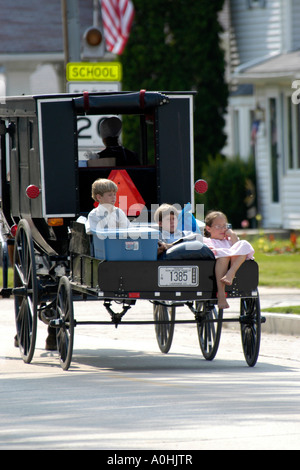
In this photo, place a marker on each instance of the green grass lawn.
(295, 309)
(10, 277)
(278, 270)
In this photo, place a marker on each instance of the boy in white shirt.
(106, 215)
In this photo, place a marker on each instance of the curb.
(276, 324)
(284, 324)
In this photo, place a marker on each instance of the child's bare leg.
(236, 262)
(220, 271)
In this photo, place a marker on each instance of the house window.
(290, 143)
(297, 156)
(274, 148)
(293, 135)
(236, 132)
(254, 127)
(256, 4)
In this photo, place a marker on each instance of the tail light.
(55, 221)
(13, 230)
(32, 191)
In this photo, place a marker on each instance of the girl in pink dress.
(227, 248)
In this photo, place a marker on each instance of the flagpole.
(96, 13)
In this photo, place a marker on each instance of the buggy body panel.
(141, 279)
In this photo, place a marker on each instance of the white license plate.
(178, 276)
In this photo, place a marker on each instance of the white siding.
(255, 34)
(295, 22)
(289, 187)
(258, 31)
(291, 201)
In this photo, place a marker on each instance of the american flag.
(117, 18)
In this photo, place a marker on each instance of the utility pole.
(71, 28)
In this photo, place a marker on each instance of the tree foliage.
(174, 45)
(231, 189)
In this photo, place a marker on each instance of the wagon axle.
(116, 318)
(57, 323)
(22, 291)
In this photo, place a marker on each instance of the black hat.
(110, 127)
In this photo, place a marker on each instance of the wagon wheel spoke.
(164, 331)
(25, 291)
(65, 322)
(250, 329)
(25, 326)
(19, 275)
(209, 330)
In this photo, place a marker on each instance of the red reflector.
(201, 186)
(13, 230)
(32, 191)
(134, 295)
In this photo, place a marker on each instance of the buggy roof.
(88, 103)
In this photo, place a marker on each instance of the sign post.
(93, 77)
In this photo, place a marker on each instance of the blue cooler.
(131, 244)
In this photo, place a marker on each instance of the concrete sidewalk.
(277, 323)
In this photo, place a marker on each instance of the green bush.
(231, 189)
(176, 46)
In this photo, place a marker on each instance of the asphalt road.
(121, 393)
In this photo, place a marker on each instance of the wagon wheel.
(250, 329)
(64, 323)
(25, 291)
(164, 331)
(209, 332)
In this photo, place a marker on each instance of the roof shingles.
(35, 26)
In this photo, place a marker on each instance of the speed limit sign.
(88, 127)
(88, 132)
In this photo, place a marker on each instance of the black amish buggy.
(45, 191)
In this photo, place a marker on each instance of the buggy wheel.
(64, 323)
(164, 331)
(25, 291)
(209, 327)
(250, 329)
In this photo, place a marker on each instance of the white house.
(32, 58)
(263, 50)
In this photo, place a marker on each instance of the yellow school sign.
(94, 71)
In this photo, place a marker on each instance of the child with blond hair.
(105, 215)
